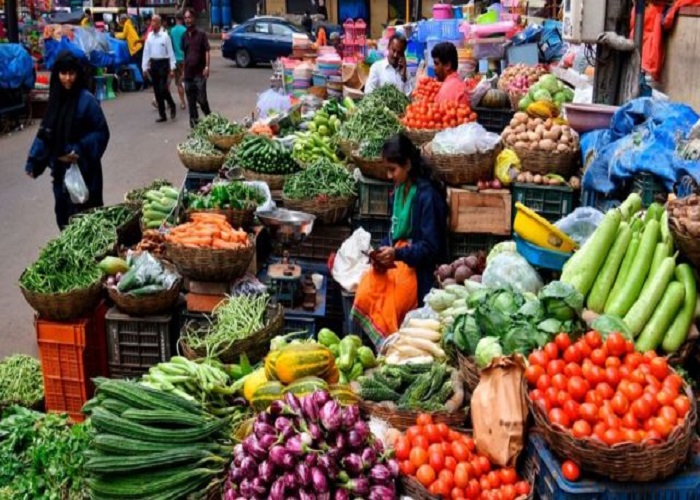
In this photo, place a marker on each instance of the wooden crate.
(474, 211)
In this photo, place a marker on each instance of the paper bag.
(499, 410)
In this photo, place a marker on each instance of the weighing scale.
(287, 229)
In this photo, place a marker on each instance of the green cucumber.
(658, 325)
(170, 192)
(631, 206)
(607, 274)
(678, 331)
(630, 254)
(660, 253)
(641, 311)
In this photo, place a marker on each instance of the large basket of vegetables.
(243, 324)
(374, 168)
(64, 306)
(264, 159)
(142, 285)
(641, 428)
(364, 133)
(209, 249)
(237, 201)
(220, 131)
(226, 142)
(199, 155)
(460, 169)
(420, 137)
(325, 189)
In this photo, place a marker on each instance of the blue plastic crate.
(540, 257)
(544, 468)
(304, 327)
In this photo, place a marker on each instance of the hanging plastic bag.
(511, 270)
(507, 166)
(75, 185)
(351, 261)
(580, 224)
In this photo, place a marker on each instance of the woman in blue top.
(403, 268)
(74, 130)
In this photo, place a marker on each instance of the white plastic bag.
(580, 224)
(351, 261)
(269, 204)
(272, 103)
(466, 139)
(75, 185)
(511, 270)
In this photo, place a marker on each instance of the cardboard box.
(474, 211)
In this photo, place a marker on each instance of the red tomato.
(641, 409)
(454, 436)
(558, 416)
(533, 373)
(659, 368)
(522, 488)
(633, 360)
(605, 390)
(613, 362)
(484, 484)
(572, 354)
(612, 375)
(630, 421)
(620, 404)
(555, 366)
(484, 464)
(573, 370)
(508, 492)
(460, 451)
(569, 469)
(669, 414)
(612, 437)
(473, 490)
(594, 397)
(559, 381)
(593, 339)
(563, 341)
(572, 409)
(407, 468)
(402, 447)
(597, 375)
(457, 494)
(462, 475)
(598, 356)
(581, 429)
(584, 349)
(662, 426)
(425, 475)
(551, 350)
(439, 488)
(413, 431)
(544, 382)
(681, 405)
(589, 412)
(651, 399)
(538, 358)
(664, 397)
(673, 380)
(494, 479)
(421, 442)
(599, 430)
(552, 395)
(469, 441)
(444, 430)
(629, 345)
(577, 387)
(633, 391)
(616, 344)
(447, 477)
(450, 464)
(433, 433)
(418, 457)
(508, 475)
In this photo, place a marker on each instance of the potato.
(546, 145)
(532, 137)
(531, 126)
(564, 139)
(537, 179)
(520, 177)
(550, 134)
(523, 137)
(540, 129)
(693, 229)
(520, 145)
(521, 117)
(514, 123)
(529, 178)
(521, 128)
(549, 123)
(539, 121)
(563, 148)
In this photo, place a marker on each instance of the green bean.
(323, 177)
(215, 124)
(198, 146)
(21, 380)
(388, 96)
(368, 123)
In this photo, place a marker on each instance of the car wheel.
(243, 59)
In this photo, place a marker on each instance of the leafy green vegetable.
(215, 124)
(561, 301)
(487, 349)
(607, 324)
(389, 96)
(21, 380)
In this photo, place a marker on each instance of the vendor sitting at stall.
(392, 70)
(402, 269)
(445, 62)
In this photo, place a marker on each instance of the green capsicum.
(348, 352)
(327, 338)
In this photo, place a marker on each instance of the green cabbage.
(542, 95)
(525, 102)
(487, 349)
(549, 83)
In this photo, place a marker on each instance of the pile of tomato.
(447, 464)
(426, 89)
(602, 389)
(427, 115)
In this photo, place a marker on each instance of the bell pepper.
(348, 353)
(366, 357)
(327, 338)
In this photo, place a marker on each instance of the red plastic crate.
(72, 354)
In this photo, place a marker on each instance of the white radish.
(421, 333)
(430, 324)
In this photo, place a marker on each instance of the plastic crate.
(195, 180)
(323, 241)
(460, 245)
(650, 189)
(375, 198)
(494, 120)
(544, 468)
(551, 202)
(71, 355)
(305, 327)
(378, 227)
(136, 344)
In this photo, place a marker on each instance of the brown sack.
(499, 410)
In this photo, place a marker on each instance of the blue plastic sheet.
(16, 67)
(642, 137)
(117, 55)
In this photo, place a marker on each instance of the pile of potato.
(539, 134)
(548, 180)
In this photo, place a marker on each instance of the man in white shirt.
(392, 70)
(159, 65)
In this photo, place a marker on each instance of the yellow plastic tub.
(539, 231)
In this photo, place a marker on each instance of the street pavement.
(139, 151)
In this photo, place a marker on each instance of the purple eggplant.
(310, 459)
(381, 492)
(303, 473)
(328, 466)
(319, 481)
(309, 408)
(290, 481)
(249, 468)
(293, 402)
(252, 446)
(229, 495)
(369, 456)
(245, 487)
(282, 424)
(359, 486)
(266, 471)
(341, 494)
(315, 431)
(353, 464)
(393, 465)
(268, 440)
(238, 451)
(362, 428)
(323, 496)
(381, 474)
(378, 446)
(331, 416)
(263, 429)
(236, 475)
(351, 414)
(275, 408)
(299, 444)
(277, 490)
(281, 457)
(341, 441)
(355, 440)
(305, 495)
(321, 398)
(258, 488)
(238, 460)
(265, 418)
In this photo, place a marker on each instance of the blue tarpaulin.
(16, 67)
(117, 55)
(642, 137)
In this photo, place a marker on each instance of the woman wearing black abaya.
(74, 130)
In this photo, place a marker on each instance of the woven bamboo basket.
(403, 419)
(687, 349)
(410, 487)
(548, 162)
(274, 181)
(420, 137)
(226, 142)
(515, 98)
(624, 462)
(146, 305)
(372, 168)
(237, 218)
(255, 346)
(211, 264)
(202, 164)
(460, 169)
(689, 246)
(64, 306)
(469, 371)
(328, 212)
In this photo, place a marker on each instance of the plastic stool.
(110, 87)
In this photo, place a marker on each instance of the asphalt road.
(139, 151)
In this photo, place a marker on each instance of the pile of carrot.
(261, 129)
(208, 230)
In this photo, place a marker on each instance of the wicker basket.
(460, 169)
(687, 349)
(469, 371)
(64, 306)
(146, 305)
(202, 164)
(689, 246)
(410, 487)
(329, 212)
(625, 462)
(274, 181)
(237, 218)
(548, 162)
(420, 137)
(211, 264)
(374, 168)
(256, 346)
(226, 142)
(403, 419)
(515, 98)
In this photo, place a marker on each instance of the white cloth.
(158, 46)
(382, 73)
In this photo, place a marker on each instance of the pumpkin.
(495, 99)
(266, 394)
(253, 382)
(303, 360)
(306, 385)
